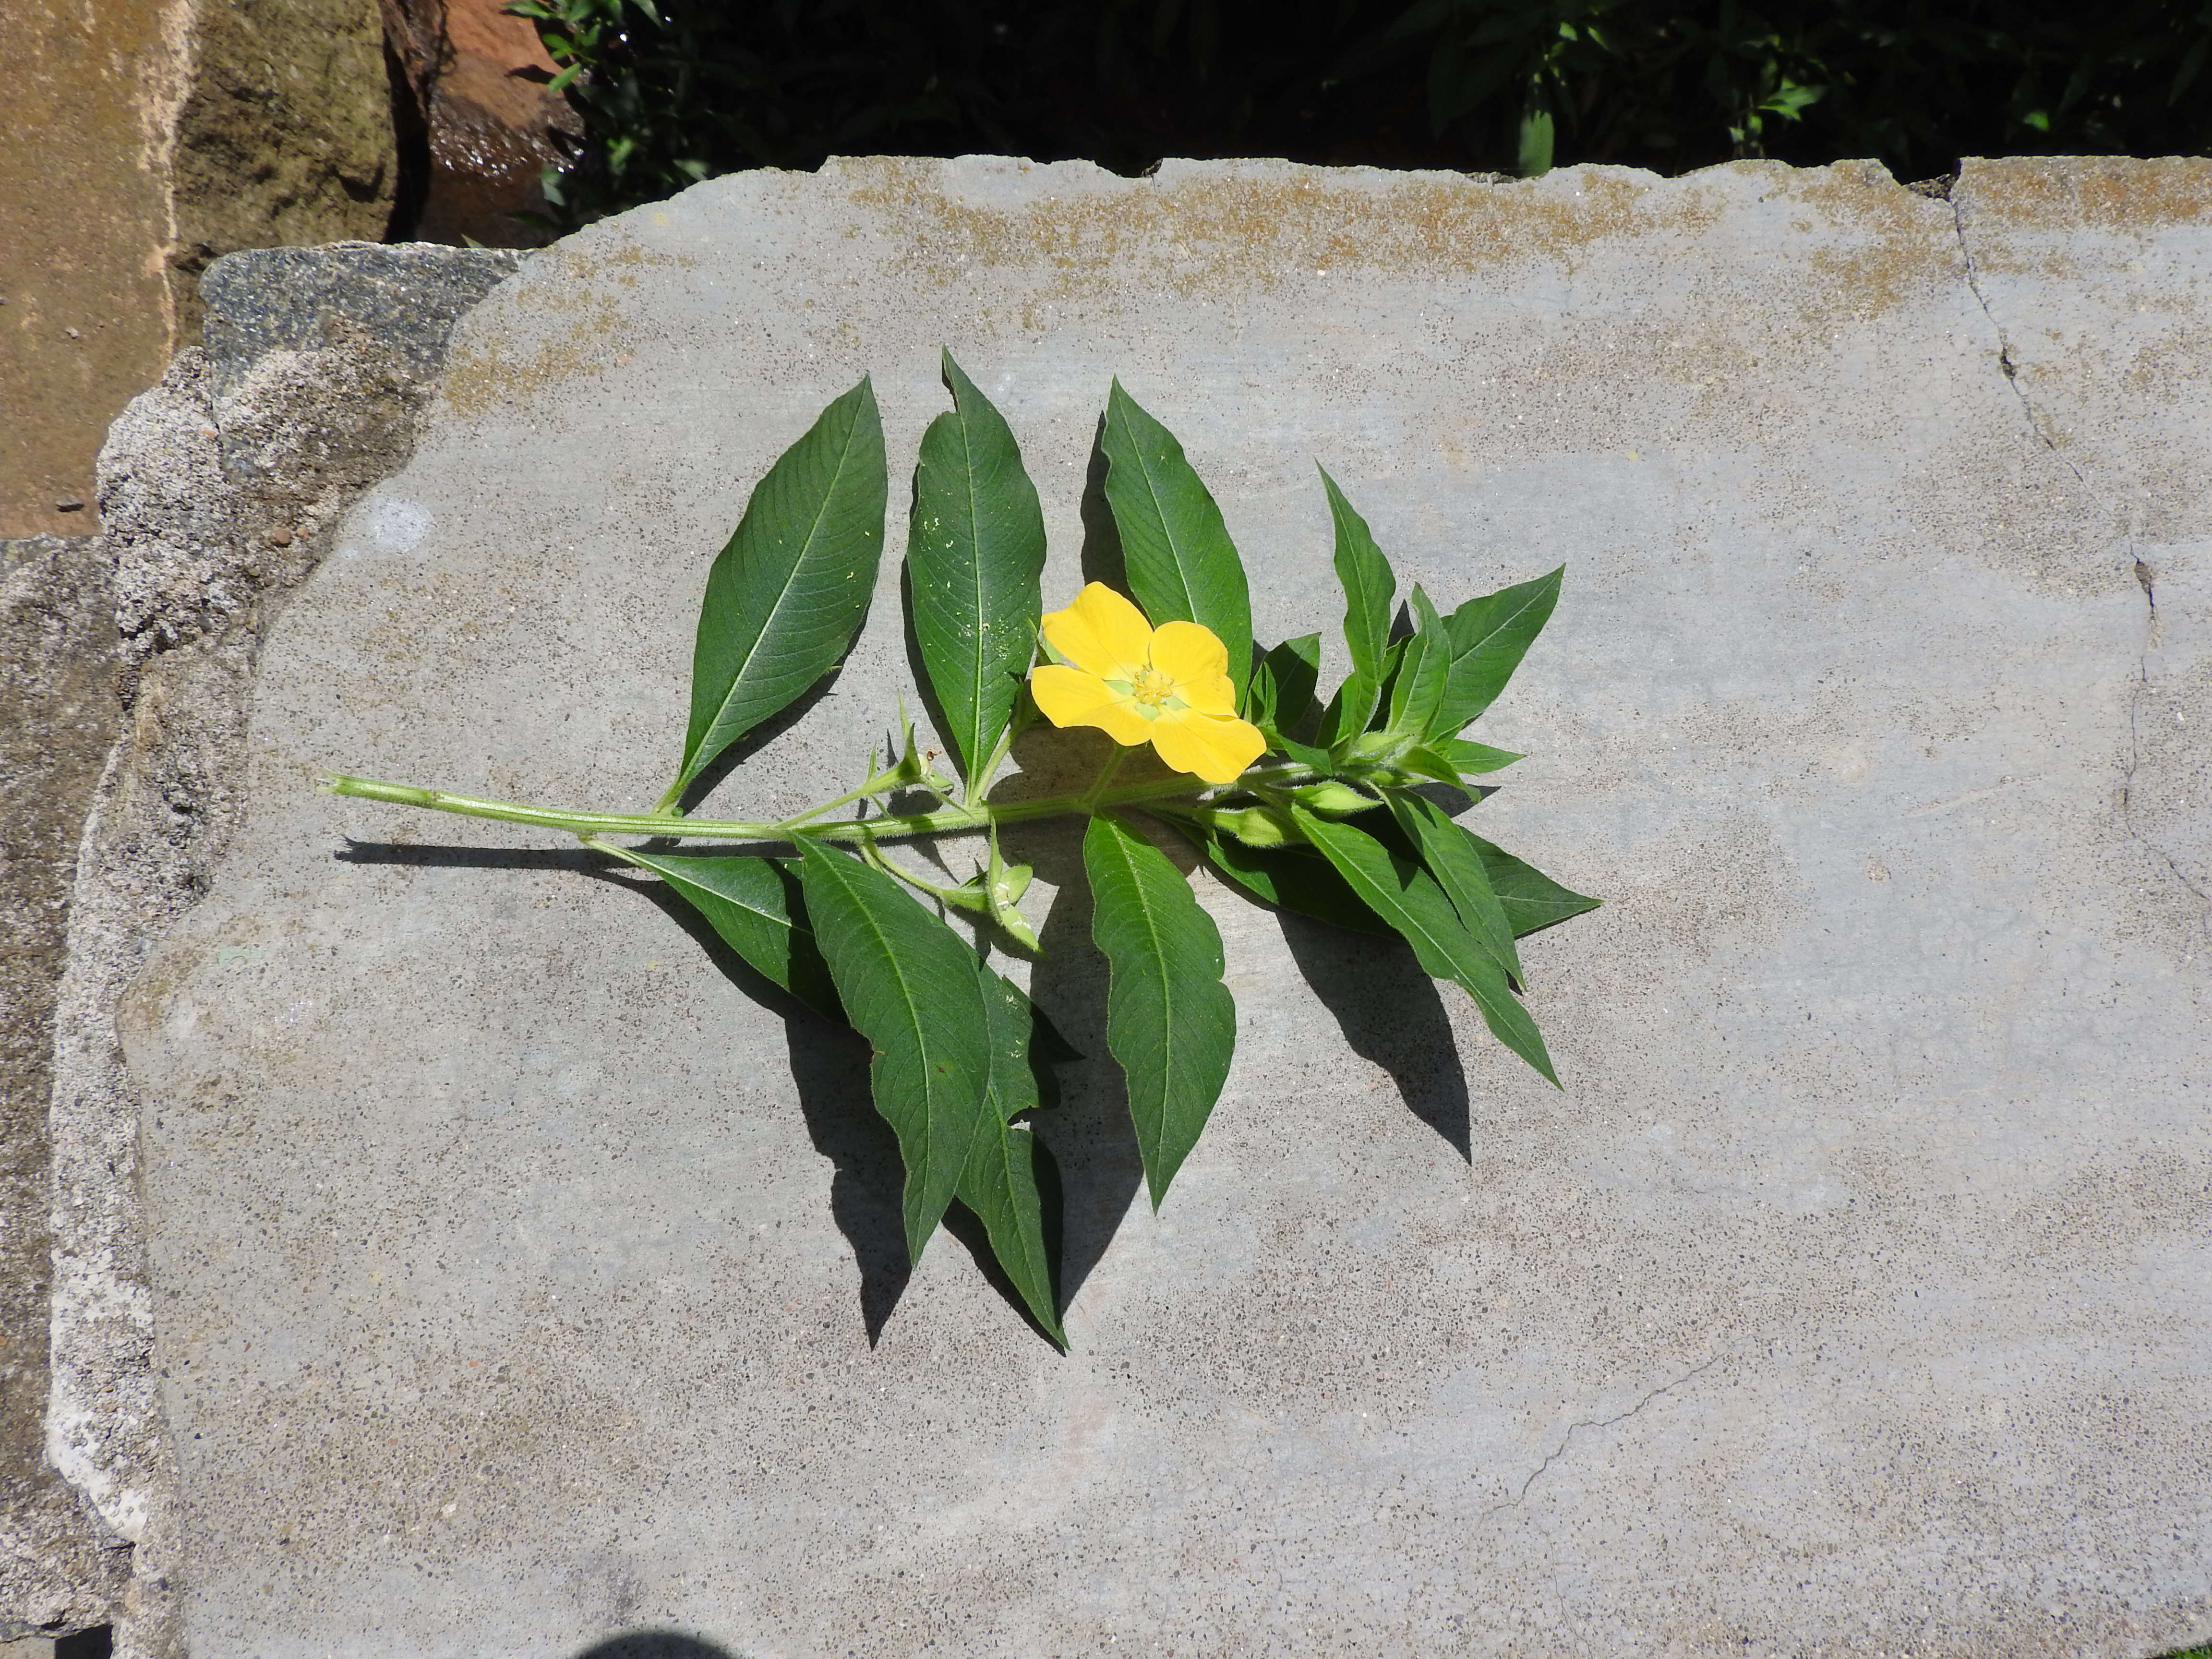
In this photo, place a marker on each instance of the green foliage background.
(672, 91)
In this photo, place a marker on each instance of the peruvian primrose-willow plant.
(1320, 807)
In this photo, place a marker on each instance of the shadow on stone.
(829, 1065)
(710, 778)
(1102, 560)
(1389, 1009)
(1088, 1132)
(1390, 1013)
(829, 1068)
(654, 1644)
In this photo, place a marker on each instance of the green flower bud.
(1331, 799)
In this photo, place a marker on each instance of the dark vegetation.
(672, 91)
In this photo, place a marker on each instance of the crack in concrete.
(1560, 1451)
(2143, 574)
(2005, 359)
(2146, 578)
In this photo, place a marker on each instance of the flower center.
(1151, 688)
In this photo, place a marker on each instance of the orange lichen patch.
(1894, 248)
(1251, 229)
(574, 282)
(490, 370)
(2095, 192)
(2160, 369)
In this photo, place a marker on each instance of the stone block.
(219, 489)
(521, 1281)
(61, 1571)
(144, 142)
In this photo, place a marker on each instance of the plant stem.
(951, 820)
(874, 854)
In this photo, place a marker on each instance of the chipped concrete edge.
(220, 489)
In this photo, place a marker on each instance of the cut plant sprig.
(1319, 806)
(951, 820)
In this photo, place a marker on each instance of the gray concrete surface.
(517, 1272)
(220, 488)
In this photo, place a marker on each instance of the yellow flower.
(1168, 686)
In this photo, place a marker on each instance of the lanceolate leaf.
(999, 1182)
(910, 986)
(1169, 1020)
(1419, 689)
(1532, 900)
(1468, 756)
(1449, 853)
(754, 903)
(1489, 636)
(1293, 878)
(974, 561)
(1408, 898)
(1181, 563)
(786, 593)
(1370, 589)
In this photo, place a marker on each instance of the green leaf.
(999, 1182)
(1489, 637)
(1304, 754)
(1282, 686)
(974, 558)
(1296, 878)
(755, 904)
(1468, 756)
(787, 593)
(1532, 900)
(1409, 899)
(1169, 1020)
(1176, 549)
(1449, 854)
(910, 986)
(1417, 690)
(1423, 760)
(1369, 590)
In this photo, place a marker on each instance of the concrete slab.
(517, 1272)
(220, 489)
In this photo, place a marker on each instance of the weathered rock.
(523, 1280)
(219, 487)
(143, 142)
(286, 137)
(60, 1569)
(85, 313)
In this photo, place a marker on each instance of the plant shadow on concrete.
(1389, 1009)
(654, 1644)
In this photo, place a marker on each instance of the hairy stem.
(951, 820)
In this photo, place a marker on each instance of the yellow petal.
(1068, 696)
(1215, 748)
(1101, 633)
(1214, 696)
(1189, 652)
